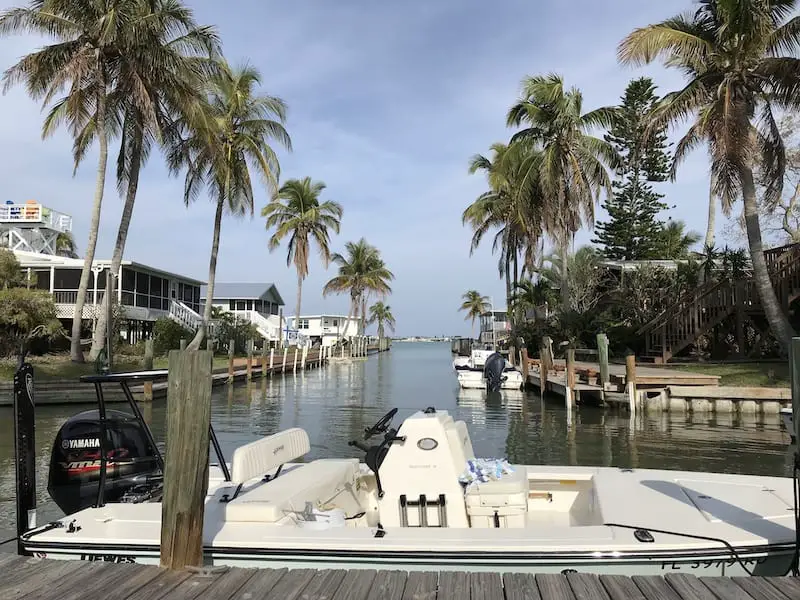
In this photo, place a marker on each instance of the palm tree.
(219, 145)
(302, 218)
(381, 314)
(674, 242)
(362, 271)
(571, 167)
(474, 305)
(65, 245)
(738, 57)
(158, 81)
(89, 37)
(529, 295)
(511, 207)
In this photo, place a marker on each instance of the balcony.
(34, 214)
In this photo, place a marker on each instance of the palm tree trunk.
(99, 341)
(778, 322)
(380, 330)
(364, 314)
(712, 218)
(299, 299)
(349, 317)
(212, 272)
(565, 301)
(76, 354)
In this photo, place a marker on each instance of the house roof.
(36, 260)
(325, 317)
(244, 291)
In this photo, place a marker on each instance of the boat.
(470, 372)
(419, 499)
(788, 422)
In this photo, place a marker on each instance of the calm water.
(336, 403)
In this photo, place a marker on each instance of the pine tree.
(633, 230)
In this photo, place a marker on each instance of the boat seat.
(326, 483)
(264, 456)
(510, 484)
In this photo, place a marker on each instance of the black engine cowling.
(493, 371)
(74, 476)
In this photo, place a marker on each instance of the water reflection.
(335, 404)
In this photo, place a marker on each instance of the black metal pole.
(25, 451)
(101, 406)
(218, 450)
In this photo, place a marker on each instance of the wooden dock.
(34, 578)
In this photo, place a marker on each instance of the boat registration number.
(710, 564)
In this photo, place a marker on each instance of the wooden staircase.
(699, 311)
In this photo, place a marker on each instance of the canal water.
(336, 403)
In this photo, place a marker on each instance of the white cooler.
(502, 503)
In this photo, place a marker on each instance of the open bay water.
(335, 403)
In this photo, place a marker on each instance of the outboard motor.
(132, 470)
(493, 372)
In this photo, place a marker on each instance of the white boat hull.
(473, 380)
(768, 562)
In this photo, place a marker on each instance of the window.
(231, 304)
(303, 324)
(67, 279)
(128, 280)
(335, 322)
(43, 280)
(241, 305)
(142, 283)
(274, 309)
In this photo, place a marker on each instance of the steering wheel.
(382, 426)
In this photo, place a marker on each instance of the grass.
(58, 366)
(769, 374)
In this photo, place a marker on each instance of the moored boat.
(471, 372)
(419, 499)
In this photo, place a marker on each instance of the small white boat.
(470, 372)
(419, 500)
(788, 422)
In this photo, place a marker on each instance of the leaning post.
(602, 357)
(186, 462)
(525, 364)
(147, 365)
(569, 393)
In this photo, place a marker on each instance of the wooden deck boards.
(29, 578)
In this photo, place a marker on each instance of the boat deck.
(29, 578)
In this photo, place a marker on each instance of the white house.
(324, 329)
(259, 303)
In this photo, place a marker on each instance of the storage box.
(502, 503)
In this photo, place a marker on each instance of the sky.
(387, 103)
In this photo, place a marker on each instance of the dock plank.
(654, 586)
(421, 585)
(160, 586)
(259, 585)
(453, 585)
(125, 589)
(290, 585)
(106, 577)
(64, 585)
(760, 589)
(324, 585)
(788, 585)
(195, 585)
(485, 586)
(356, 585)
(688, 587)
(7, 561)
(521, 586)
(620, 587)
(388, 585)
(725, 587)
(587, 586)
(34, 575)
(554, 587)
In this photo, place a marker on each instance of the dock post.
(630, 379)
(249, 360)
(285, 352)
(183, 344)
(294, 365)
(304, 357)
(602, 357)
(231, 349)
(186, 461)
(525, 365)
(147, 365)
(569, 394)
(544, 364)
(271, 360)
(263, 359)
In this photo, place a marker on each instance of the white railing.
(268, 329)
(184, 315)
(35, 213)
(71, 296)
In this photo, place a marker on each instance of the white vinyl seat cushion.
(511, 484)
(264, 456)
(326, 483)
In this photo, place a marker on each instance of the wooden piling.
(186, 466)
(602, 357)
(263, 359)
(271, 359)
(630, 380)
(304, 357)
(285, 352)
(526, 365)
(183, 344)
(570, 382)
(249, 360)
(294, 365)
(147, 365)
(545, 363)
(231, 349)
